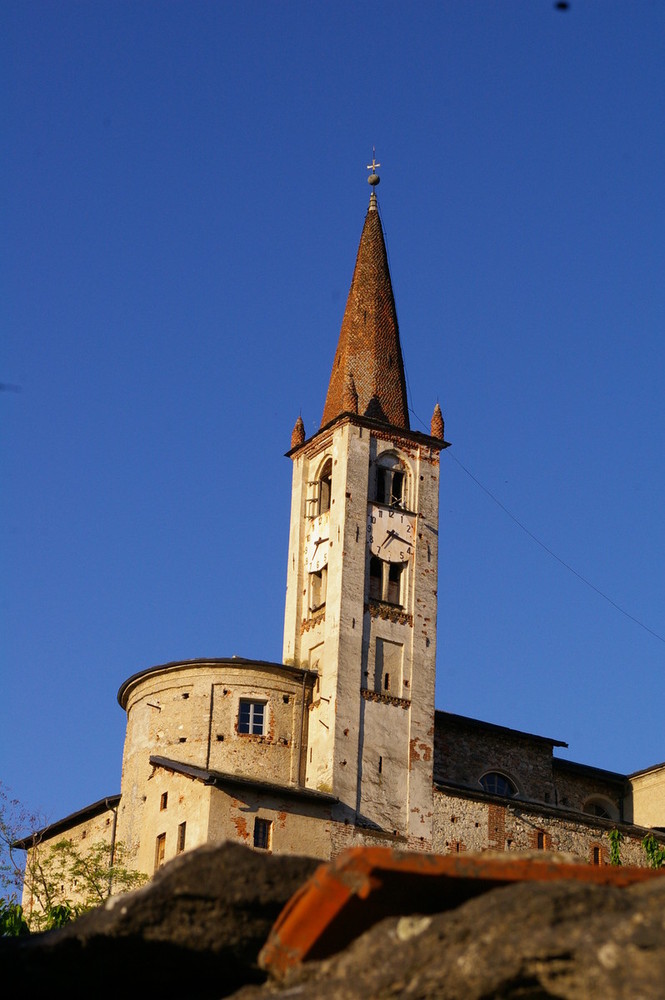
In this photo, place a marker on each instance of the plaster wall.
(83, 836)
(297, 826)
(647, 797)
(171, 801)
(188, 712)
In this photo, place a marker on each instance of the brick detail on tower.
(369, 356)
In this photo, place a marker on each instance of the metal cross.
(373, 165)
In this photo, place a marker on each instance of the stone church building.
(340, 743)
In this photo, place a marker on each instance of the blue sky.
(183, 194)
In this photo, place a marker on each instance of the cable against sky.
(546, 548)
(550, 552)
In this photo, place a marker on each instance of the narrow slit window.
(163, 801)
(160, 850)
(394, 593)
(375, 578)
(325, 488)
(396, 489)
(182, 829)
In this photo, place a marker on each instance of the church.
(340, 744)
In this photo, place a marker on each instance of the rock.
(530, 940)
(193, 932)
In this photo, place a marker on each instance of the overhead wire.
(546, 548)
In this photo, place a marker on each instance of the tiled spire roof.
(368, 362)
(298, 433)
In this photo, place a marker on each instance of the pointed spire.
(298, 433)
(437, 423)
(369, 354)
(350, 400)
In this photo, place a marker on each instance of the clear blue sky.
(183, 194)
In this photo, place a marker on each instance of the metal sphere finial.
(373, 178)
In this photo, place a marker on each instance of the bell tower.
(361, 598)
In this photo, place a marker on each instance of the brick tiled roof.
(368, 363)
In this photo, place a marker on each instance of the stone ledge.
(386, 699)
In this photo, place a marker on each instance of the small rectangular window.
(181, 838)
(251, 717)
(540, 840)
(397, 489)
(163, 802)
(394, 595)
(385, 580)
(382, 485)
(318, 586)
(262, 834)
(160, 850)
(597, 856)
(375, 579)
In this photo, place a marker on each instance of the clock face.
(316, 542)
(390, 533)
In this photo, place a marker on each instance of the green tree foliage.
(62, 880)
(65, 881)
(12, 921)
(654, 851)
(615, 837)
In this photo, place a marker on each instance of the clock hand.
(398, 538)
(390, 535)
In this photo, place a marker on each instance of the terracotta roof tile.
(368, 363)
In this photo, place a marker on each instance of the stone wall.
(471, 822)
(465, 750)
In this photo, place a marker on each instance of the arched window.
(599, 806)
(391, 482)
(496, 783)
(325, 487)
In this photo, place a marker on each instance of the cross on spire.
(373, 165)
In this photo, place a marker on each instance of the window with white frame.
(252, 717)
(262, 834)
